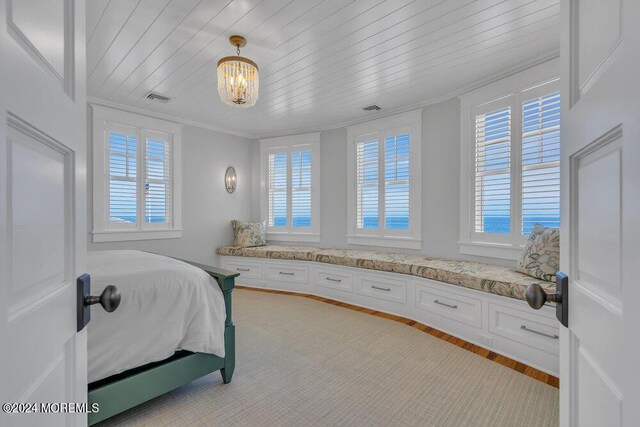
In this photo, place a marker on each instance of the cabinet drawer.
(287, 273)
(382, 288)
(247, 269)
(527, 328)
(456, 307)
(334, 279)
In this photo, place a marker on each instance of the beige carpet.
(303, 362)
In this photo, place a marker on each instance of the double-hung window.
(512, 180)
(291, 178)
(384, 182)
(136, 177)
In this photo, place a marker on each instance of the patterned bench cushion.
(495, 279)
(296, 253)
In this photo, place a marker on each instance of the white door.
(42, 205)
(600, 238)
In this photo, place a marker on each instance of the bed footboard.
(226, 281)
(131, 388)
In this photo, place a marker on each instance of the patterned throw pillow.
(541, 258)
(248, 234)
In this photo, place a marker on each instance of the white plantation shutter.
(541, 162)
(136, 177)
(157, 183)
(277, 188)
(396, 185)
(514, 168)
(492, 201)
(384, 178)
(122, 157)
(301, 188)
(367, 176)
(291, 202)
(140, 177)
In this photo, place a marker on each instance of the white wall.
(440, 185)
(207, 208)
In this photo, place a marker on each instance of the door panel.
(595, 386)
(598, 25)
(42, 205)
(597, 340)
(600, 212)
(43, 29)
(39, 173)
(597, 217)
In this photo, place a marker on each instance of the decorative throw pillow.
(248, 234)
(541, 258)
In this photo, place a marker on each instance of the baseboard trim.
(482, 352)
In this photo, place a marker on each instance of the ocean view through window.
(290, 171)
(123, 180)
(293, 191)
(514, 165)
(136, 176)
(384, 184)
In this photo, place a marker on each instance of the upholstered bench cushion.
(495, 279)
(296, 253)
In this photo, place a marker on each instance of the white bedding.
(166, 305)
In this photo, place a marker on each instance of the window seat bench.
(495, 279)
(480, 303)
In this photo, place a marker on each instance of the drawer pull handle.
(445, 304)
(333, 280)
(243, 269)
(381, 289)
(554, 336)
(287, 274)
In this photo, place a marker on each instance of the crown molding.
(168, 117)
(431, 101)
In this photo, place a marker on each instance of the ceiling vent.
(157, 97)
(372, 107)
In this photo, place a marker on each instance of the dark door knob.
(537, 297)
(109, 299)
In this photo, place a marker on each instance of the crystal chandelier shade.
(238, 79)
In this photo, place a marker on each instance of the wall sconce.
(230, 179)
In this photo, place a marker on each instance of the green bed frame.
(123, 391)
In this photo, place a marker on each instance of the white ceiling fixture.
(238, 79)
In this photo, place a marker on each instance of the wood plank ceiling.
(320, 61)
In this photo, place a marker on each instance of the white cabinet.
(334, 278)
(381, 287)
(287, 272)
(454, 306)
(248, 269)
(523, 327)
(504, 325)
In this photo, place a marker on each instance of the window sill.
(492, 250)
(293, 237)
(130, 235)
(385, 242)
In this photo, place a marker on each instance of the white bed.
(166, 305)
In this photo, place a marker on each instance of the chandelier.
(238, 77)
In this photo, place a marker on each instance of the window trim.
(288, 144)
(103, 231)
(397, 124)
(513, 91)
